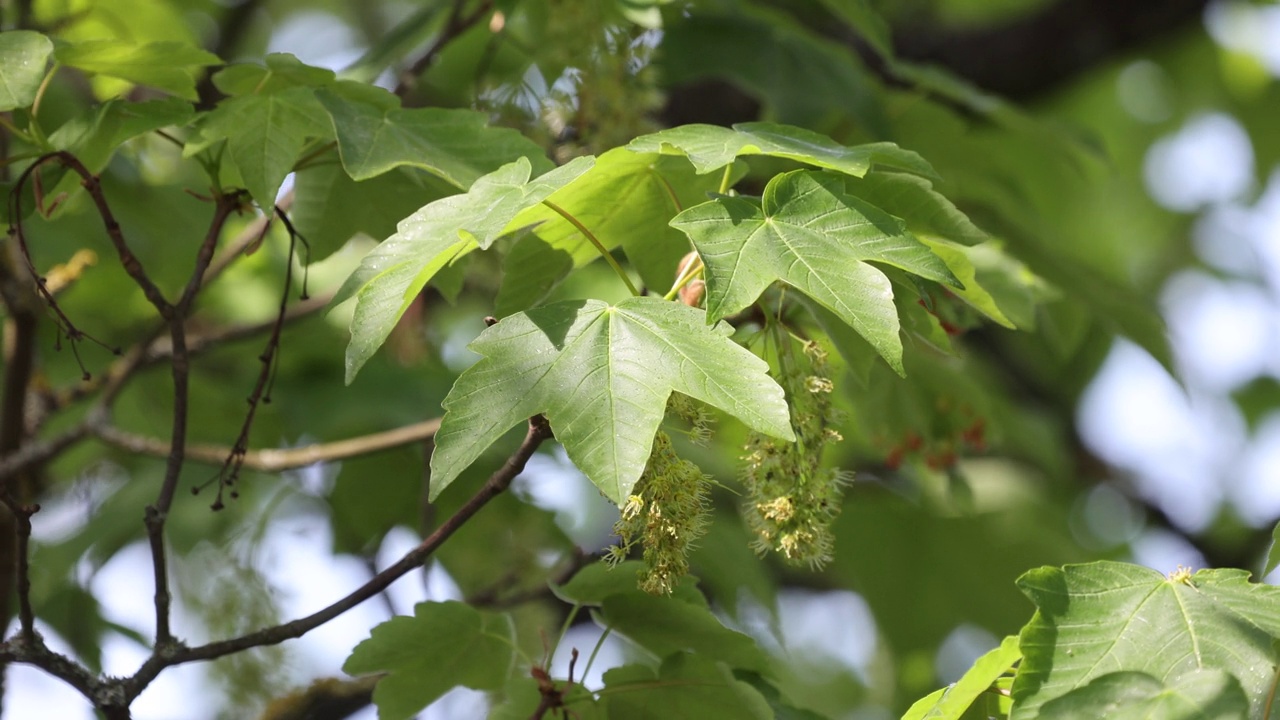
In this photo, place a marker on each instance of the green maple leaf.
(23, 57)
(601, 375)
(376, 135)
(478, 646)
(393, 274)
(265, 134)
(169, 66)
(809, 234)
(1096, 619)
(710, 147)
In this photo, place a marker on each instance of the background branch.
(276, 460)
(497, 483)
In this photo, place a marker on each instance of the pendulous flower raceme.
(792, 499)
(665, 515)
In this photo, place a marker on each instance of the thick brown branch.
(277, 460)
(539, 431)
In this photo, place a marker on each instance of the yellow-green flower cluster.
(792, 499)
(665, 515)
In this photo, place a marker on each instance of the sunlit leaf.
(809, 234)
(601, 375)
(478, 647)
(952, 702)
(625, 200)
(923, 209)
(168, 66)
(710, 147)
(23, 57)
(393, 274)
(1201, 694)
(1104, 617)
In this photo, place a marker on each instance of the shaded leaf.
(376, 135)
(168, 66)
(597, 581)
(710, 147)
(1103, 617)
(810, 235)
(686, 687)
(1203, 694)
(664, 625)
(95, 138)
(478, 647)
(330, 208)
(23, 57)
(393, 274)
(602, 375)
(281, 71)
(265, 134)
(801, 78)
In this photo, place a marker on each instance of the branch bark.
(276, 460)
(497, 483)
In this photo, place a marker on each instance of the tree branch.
(538, 431)
(275, 460)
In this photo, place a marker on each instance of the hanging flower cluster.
(792, 499)
(665, 515)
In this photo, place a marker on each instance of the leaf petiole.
(691, 271)
(608, 256)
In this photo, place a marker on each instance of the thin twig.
(276, 460)
(269, 358)
(180, 363)
(539, 431)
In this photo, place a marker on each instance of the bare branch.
(276, 460)
(539, 431)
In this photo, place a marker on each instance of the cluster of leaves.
(801, 245)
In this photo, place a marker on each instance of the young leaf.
(710, 147)
(811, 235)
(23, 56)
(95, 137)
(686, 687)
(1202, 694)
(1107, 616)
(376, 135)
(952, 702)
(393, 274)
(168, 66)
(478, 647)
(626, 200)
(602, 375)
(264, 134)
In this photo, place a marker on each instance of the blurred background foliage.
(1120, 151)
